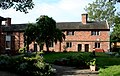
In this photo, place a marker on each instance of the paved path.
(2, 73)
(70, 71)
(63, 71)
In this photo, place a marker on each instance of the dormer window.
(70, 32)
(95, 32)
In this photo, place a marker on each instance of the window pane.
(70, 32)
(98, 33)
(93, 33)
(8, 44)
(69, 44)
(95, 45)
(8, 38)
(98, 45)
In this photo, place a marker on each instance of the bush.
(28, 64)
(79, 61)
(4, 62)
(110, 71)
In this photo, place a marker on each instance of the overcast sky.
(59, 10)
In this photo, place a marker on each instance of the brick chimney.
(8, 21)
(84, 18)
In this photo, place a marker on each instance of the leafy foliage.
(115, 35)
(44, 31)
(115, 0)
(92, 62)
(49, 32)
(79, 61)
(28, 64)
(101, 10)
(19, 5)
(110, 71)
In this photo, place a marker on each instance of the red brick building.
(80, 36)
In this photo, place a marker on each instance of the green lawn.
(108, 65)
(104, 60)
(51, 57)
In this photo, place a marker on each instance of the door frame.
(79, 47)
(86, 46)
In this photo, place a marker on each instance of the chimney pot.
(84, 18)
(8, 21)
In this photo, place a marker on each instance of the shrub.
(4, 62)
(28, 64)
(79, 61)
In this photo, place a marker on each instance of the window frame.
(70, 33)
(97, 45)
(95, 33)
(8, 42)
(69, 44)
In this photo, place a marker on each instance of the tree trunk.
(41, 47)
(27, 47)
(47, 46)
(60, 47)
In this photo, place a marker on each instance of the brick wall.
(83, 37)
(79, 37)
(19, 40)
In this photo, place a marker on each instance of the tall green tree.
(49, 32)
(115, 35)
(30, 34)
(101, 10)
(19, 5)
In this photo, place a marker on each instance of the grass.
(110, 71)
(104, 60)
(51, 57)
(108, 65)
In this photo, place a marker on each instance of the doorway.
(86, 47)
(79, 47)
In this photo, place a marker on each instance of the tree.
(30, 34)
(44, 31)
(115, 35)
(49, 32)
(115, 0)
(101, 10)
(19, 5)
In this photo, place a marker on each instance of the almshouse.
(80, 36)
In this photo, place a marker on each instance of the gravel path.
(71, 71)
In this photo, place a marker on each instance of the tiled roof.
(64, 26)
(14, 27)
(80, 26)
(2, 18)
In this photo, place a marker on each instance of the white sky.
(59, 10)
